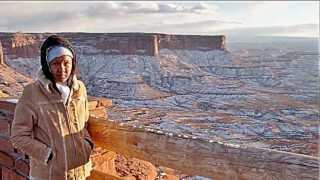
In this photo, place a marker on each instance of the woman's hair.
(51, 41)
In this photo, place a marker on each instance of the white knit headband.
(58, 51)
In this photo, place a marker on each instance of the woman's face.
(61, 68)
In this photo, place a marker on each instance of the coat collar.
(46, 83)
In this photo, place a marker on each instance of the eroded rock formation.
(11, 81)
(28, 45)
(24, 45)
(1, 54)
(191, 42)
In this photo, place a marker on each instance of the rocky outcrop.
(109, 163)
(11, 81)
(24, 45)
(191, 42)
(149, 44)
(146, 43)
(1, 54)
(128, 44)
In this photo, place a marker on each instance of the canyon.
(194, 86)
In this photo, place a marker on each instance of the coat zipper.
(68, 123)
(68, 120)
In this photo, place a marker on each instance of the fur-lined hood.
(50, 42)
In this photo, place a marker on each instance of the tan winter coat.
(43, 124)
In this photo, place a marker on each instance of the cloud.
(200, 27)
(196, 8)
(170, 8)
(138, 7)
(96, 16)
(53, 21)
(37, 16)
(142, 8)
(163, 17)
(256, 8)
(232, 29)
(298, 30)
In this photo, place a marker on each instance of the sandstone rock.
(148, 44)
(191, 42)
(1, 54)
(105, 163)
(133, 167)
(126, 44)
(110, 164)
(92, 104)
(12, 82)
(24, 45)
(98, 175)
(2, 94)
(99, 112)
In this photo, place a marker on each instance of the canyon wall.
(191, 42)
(1, 54)
(126, 44)
(28, 45)
(25, 46)
(21, 45)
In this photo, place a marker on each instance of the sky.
(230, 18)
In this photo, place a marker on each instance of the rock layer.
(1, 54)
(149, 44)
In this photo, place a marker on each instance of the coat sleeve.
(86, 133)
(21, 134)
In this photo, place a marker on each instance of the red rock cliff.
(128, 44)
(1, 54)
(191, 42)
(28, 45)
(24, 45)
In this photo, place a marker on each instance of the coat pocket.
(78, 150)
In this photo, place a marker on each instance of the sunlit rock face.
(251, 94)
(21, 45)
(1, 54)
(11, 81)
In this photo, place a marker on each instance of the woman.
(51, 116)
